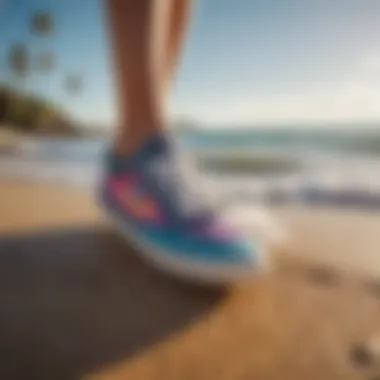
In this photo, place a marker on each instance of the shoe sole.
(211, 274)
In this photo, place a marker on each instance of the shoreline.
(345, 239)
(273, 190)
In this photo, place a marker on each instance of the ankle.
(129, 142)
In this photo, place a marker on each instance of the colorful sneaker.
(148, 201)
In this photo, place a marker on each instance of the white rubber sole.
(204, 273)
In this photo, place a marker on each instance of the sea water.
(240, 161)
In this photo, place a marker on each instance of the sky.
(247, 62)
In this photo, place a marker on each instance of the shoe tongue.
(157, 146)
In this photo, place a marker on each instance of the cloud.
(357, 99)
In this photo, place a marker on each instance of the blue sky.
(247, 61)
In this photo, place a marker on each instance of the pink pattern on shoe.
(140, 206)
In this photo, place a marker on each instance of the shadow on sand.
(73, 301)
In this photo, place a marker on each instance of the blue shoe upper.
(147, 192)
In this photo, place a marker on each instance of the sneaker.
(151, 203)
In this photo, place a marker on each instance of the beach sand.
(28, 206)
(76, 302)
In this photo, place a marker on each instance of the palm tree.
(19, 60)
(42, 24)
(26, 59)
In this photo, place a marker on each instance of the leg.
(179, 17)
(138, 30)
(145, 192)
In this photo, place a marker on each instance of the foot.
(154, 208)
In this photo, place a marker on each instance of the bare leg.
(179, 17)
(138, 33)
(151, 201)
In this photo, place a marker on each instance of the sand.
(28, 206)
(76, 302)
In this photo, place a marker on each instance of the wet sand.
(76, 302)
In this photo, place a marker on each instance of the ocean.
(241, 163)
